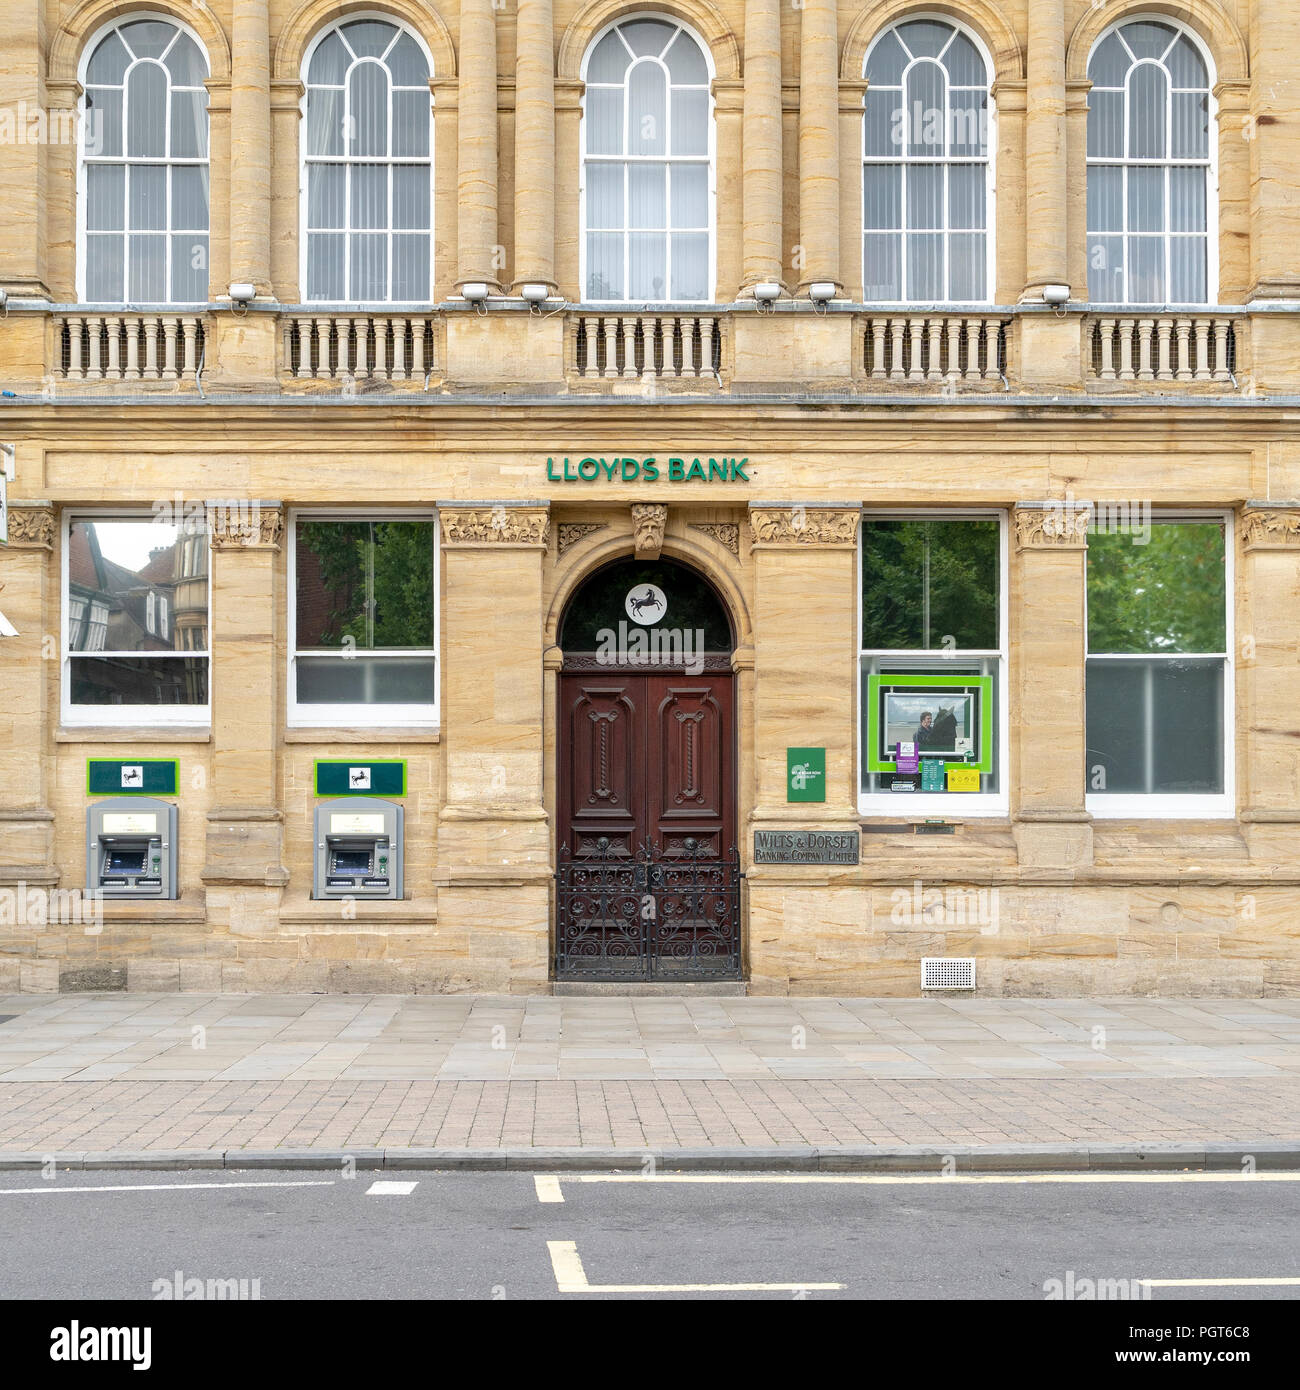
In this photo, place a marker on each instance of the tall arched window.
(1150, 205)
(927, 167)
(647, 186)
(144, 166)
(367, 196)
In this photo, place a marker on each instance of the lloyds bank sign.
(646, 470)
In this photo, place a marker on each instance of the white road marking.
(889, 1179)
(1216, 1283)
(158, 1187)
(391, 1189)
(548, 1188)
(570, 1277)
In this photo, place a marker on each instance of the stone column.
(286, 114)
(1045, 169)
(803, 620)
(494, 847)
(250, 146)
(1268, 651)
(535, 145)
(1052, 827)
(29, 597)
(59, 228)
(1275, 151)
(22, 152)
(1233, 100)
(476, 173)
(728, 121)
(761, 140)
(245, 825)
(568, 160)
(819, 155)
(1009, 97)
(1076, 200)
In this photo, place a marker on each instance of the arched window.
(144, 166)
(647, 185)
(927, 167)
(1150, 205)
(367, 196)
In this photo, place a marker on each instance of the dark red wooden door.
(647, 758)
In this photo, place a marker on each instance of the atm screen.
(351, 861)
(125, 862)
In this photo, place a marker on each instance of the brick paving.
(382, 1072)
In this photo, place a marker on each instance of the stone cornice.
(804, 526)
(1051, 525)
(31, 527)
(521, 527)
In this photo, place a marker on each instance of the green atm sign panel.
(345, 778)
(131, 776)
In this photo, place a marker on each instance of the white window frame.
(1126, 162)
(316, 716)
(133, 716)
(168, 161)
(948, 805)
(388, 161)
(944, 161)
(666, 159)
(1174, 805)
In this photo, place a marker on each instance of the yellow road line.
(570, 1277)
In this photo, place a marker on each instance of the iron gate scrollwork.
(650, 916)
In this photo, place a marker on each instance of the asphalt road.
(511, 1236)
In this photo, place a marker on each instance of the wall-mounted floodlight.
(1056, 294)
(820, 291)
(242, 293)
(532, 294)
(767, 292)
(476, 292)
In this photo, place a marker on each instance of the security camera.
(242, 293)
(1056, 294)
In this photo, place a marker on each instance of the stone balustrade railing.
(1163, 347)
(932, 347)
(129, 346)
(667, 346)
(359, 347)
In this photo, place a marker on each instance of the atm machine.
(131, 847)
(358, 849)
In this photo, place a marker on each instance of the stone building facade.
(936, 366)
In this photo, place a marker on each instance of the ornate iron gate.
(650, 916)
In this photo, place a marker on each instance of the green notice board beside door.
(805, 774)
(360, 778)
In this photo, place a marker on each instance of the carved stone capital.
(726, 533)
(245, 526)
(800, 526)
(1052, 526)
(495, 525)
(648, 522)
(31, 528)
(571, 532)
(1270, 528)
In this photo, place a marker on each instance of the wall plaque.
(805, 847)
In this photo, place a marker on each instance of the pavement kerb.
(1267, 1155)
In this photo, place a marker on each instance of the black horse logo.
(649, 600)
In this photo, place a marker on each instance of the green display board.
(131, 776)
(360, 778)
(897, 701)
(805, 774)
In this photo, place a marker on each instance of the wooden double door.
(648, 877)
